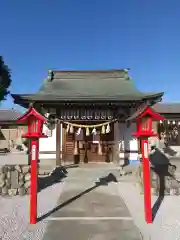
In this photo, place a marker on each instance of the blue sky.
(142, 35)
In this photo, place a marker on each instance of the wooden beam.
(61, 141)
(58, 149)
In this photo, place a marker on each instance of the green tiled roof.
(89, 85)
(115, 84)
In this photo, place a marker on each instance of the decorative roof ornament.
(126, 69)
(50, 75)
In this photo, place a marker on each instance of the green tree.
(5, 79)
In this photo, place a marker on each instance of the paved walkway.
(166, 225)
(90, 208)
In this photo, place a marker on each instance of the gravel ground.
(14, 214)
(166, 225)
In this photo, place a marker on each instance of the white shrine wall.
(47, 146)
(128, 145)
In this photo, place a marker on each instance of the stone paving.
(90, 208)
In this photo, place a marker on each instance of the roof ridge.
(13, 109)
(168, 103)
(93, 70)
(10, 110)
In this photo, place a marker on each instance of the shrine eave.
(24, 99)
(167, 108)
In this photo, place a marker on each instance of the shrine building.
(91, 116)
(169, 129)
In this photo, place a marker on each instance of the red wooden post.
(33, 189)
(146, 180)
(144, 130)
(35, 124)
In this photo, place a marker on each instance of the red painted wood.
(147, 183)
(33, 188)
(143, 133)
(35, 123)
(150, 112)
(31, 112)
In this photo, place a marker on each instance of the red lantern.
(144, 131)
(144, 123)
(35, 121)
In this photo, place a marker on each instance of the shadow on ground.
(169, 151)
(56, 176)
(163, 168)
(102, 182)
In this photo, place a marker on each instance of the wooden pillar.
(116, 152)
(61, 141)
(86, 152)
(58, 142)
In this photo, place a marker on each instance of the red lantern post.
(144, 131)
(35, 124)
